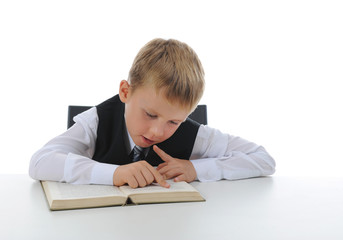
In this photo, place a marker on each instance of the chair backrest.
(199, 114)
(73, 111)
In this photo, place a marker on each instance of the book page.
(155, 188)
(72, 191)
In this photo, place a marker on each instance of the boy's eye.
(155, 116)
(174, 123)
(150, 115)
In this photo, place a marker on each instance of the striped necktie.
(137, 154)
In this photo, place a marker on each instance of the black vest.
(110, 144)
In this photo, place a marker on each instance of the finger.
(164, 156)
(172, 173)
(140, 179)
(180, 178)
(132, 182)
(157, 176)
(161, 166)
(166, 168)
(148, 177)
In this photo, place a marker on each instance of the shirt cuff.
(102, 173)
(207, 169)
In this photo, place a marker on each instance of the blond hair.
(172, 66)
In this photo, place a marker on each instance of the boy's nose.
(157, 130)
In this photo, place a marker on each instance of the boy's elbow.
(37, 163)
(269, 171)
(33, 166)
(269, 166)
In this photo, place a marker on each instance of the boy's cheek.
(170, 133)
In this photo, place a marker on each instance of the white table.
(261, 208)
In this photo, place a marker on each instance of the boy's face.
(150, 118)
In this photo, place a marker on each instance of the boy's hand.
(138, 174)
(179, 169)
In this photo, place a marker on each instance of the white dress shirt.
(215, 156)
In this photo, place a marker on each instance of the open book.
(62, 196)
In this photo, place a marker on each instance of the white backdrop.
(273, 70)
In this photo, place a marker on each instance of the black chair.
(199, 114)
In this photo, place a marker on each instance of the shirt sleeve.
(67, 157)
(218, 156)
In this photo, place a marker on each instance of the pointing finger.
(164, 156)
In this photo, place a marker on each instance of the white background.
(273, 70)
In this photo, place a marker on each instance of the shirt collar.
(131, 144)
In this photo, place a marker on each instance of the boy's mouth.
(147, 141)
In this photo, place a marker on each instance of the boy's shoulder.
(111, 102)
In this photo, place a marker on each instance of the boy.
(121, 140)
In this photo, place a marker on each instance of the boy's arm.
(218, 156)
(67, 158)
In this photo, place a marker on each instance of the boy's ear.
(124, 90)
